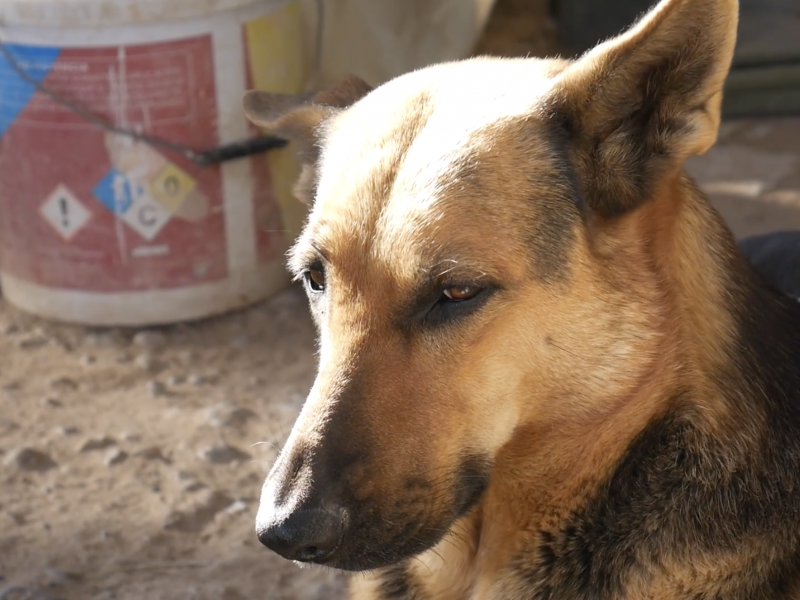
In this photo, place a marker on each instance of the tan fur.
(614, 295)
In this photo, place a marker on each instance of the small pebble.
(15, 518)
(115, 456)
(151, 453)
(195, 380)
(32, 343)
(97, 443)
(188, 481)
(60, 342)
(184, 475)
(66, 431)
(230, 593)
(10, 329)
(237, 507)
(223, 454)
(241, 341)
(52, 402)
(88, 359)
(134, 438)
(64, 384)
(7, 426)
(193, 486)
(200, 514)
(175, 380)
(29, 459)
(156, 388)
(226, 414)
(151, 340)
(105, 339)
(57, 577)
(145, 362)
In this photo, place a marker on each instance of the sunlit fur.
(618, 415)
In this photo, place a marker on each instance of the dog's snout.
(306, 535)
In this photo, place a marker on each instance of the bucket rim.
(47, 14)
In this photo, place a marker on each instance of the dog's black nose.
(307, 535)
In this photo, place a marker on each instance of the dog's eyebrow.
(451, 269)
(431, 280)
(304, 254)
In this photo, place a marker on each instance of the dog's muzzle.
(306, 534)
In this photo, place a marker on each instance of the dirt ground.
(131, 461)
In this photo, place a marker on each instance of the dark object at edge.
(776, 256)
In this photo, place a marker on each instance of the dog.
(546, 370)
(776, 256)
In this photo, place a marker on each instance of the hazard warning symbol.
(64, 212)
(172, 186)
(145, 190)
(146, 216)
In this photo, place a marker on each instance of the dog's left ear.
(299, 119)
(637, 106)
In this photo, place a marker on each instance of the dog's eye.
(315, 279)
(455, 302)
(459, 293)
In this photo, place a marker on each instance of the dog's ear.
(298, 118)
(637, 106)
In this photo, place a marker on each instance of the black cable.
(223, 153)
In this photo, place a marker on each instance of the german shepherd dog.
(546, 371)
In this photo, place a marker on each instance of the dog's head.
(470, 263)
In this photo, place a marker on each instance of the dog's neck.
(561, 469)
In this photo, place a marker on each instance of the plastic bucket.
(101, 230)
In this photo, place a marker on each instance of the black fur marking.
(471, 482)
(552, 232)
(396, 584)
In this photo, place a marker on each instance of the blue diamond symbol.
(116, 192)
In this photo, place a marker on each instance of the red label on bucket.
(85, 209)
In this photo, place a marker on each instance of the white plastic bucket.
(382, 39)
(100, 230)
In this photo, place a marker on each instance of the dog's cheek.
(500, 377)
(551, 355)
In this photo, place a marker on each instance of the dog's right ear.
(298, 119)
(638, 105)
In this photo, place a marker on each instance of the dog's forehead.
(419, 151)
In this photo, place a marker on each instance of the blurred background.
(153, 355)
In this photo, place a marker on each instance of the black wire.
(220, 154)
